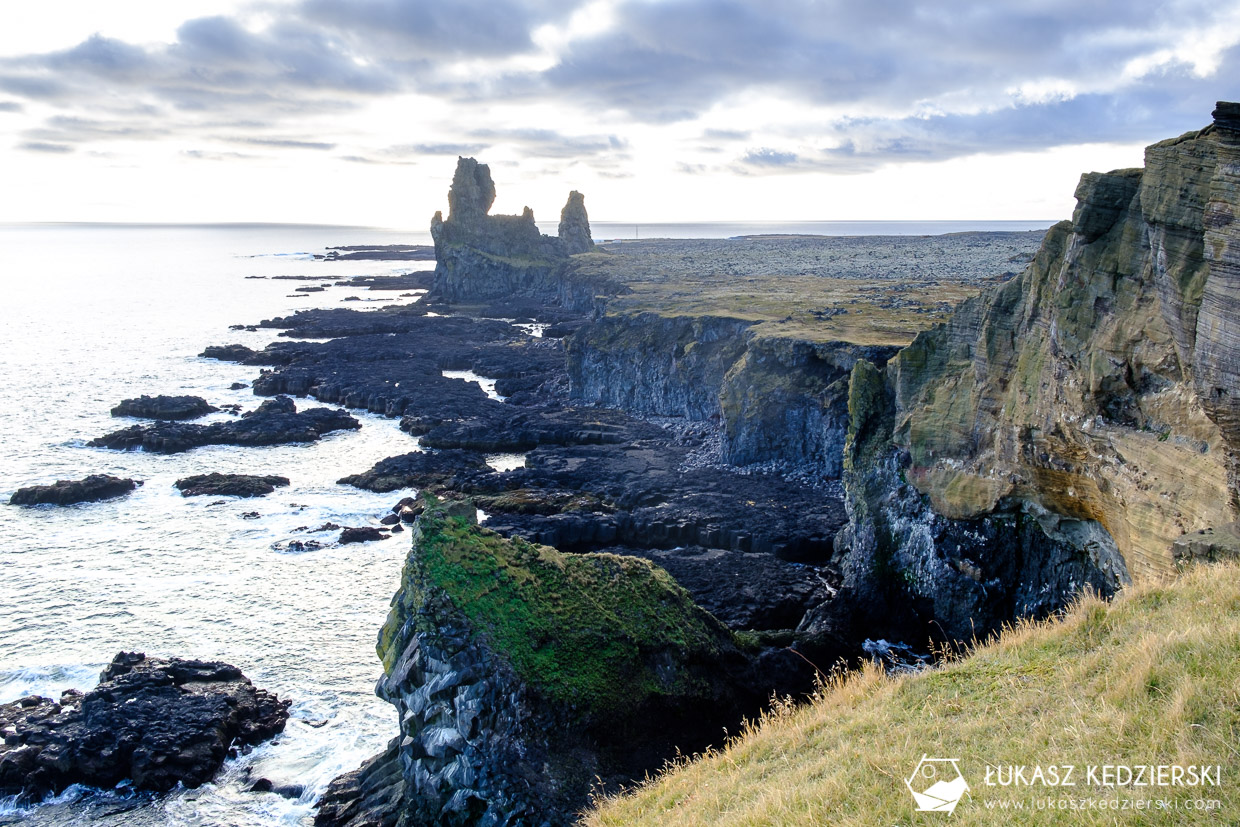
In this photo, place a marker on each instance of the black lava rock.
(275, 422)
(362, 534)
(164, 407)
(66, 492)
(229, 485)
(156, 721)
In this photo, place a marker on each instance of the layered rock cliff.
(481, 257)
(1061, 430)
(522, 677)
(777, 399)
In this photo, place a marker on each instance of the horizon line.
(600, 221)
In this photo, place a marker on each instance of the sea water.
(92, 314)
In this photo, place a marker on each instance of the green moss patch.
(599, 631)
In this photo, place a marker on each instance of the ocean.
(93, 314)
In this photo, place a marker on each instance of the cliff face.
(481, 257)
(1065, 428)
(522, 676)
(778, 399)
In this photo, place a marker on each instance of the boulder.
(361, 534)
(155, 721)
(66, 492)
(229, 485)
(164, 407)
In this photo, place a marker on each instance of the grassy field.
(870, 290)
(1150, 679)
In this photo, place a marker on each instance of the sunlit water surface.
(92, 315)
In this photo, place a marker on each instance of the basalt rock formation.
(155, 721)
(575, 225)
(482, 257)
(164, 407)
(778, 399)
(67, 492)
(1061, 430)
(229, 485)
(523, 676)
(275, 422)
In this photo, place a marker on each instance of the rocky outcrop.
(522, 677)
(229, 485)
(275, 422)
(575, 225)
(1063, 429)
(1207, 546)
(157, 722)
(418, 469)
(481, 257)
(66, 492)
(164, 407)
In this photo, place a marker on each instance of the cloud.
(766, 157)
(850, 86)
(469, 28)
(285, 143)
(207, 155)
(548, 143)
(39, 146)
(450, 149)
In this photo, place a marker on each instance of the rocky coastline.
(708, 442)
(689, 476)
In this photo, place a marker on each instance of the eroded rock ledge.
(523, 677)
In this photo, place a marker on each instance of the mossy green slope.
(596, 631)
(1152, 678)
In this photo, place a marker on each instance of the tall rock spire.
(575, 225)
(472, 192)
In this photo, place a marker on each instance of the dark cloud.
(470, 28)
(660, 62)
(39, 146)
(665, 61)
(215, 64)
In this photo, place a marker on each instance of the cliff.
(1063, 429)
(481, 257)
(523, 676)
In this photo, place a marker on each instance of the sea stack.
(575, 225)
(483, 257)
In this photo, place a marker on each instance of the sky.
(354, 111)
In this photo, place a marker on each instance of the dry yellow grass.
(1152, 678)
